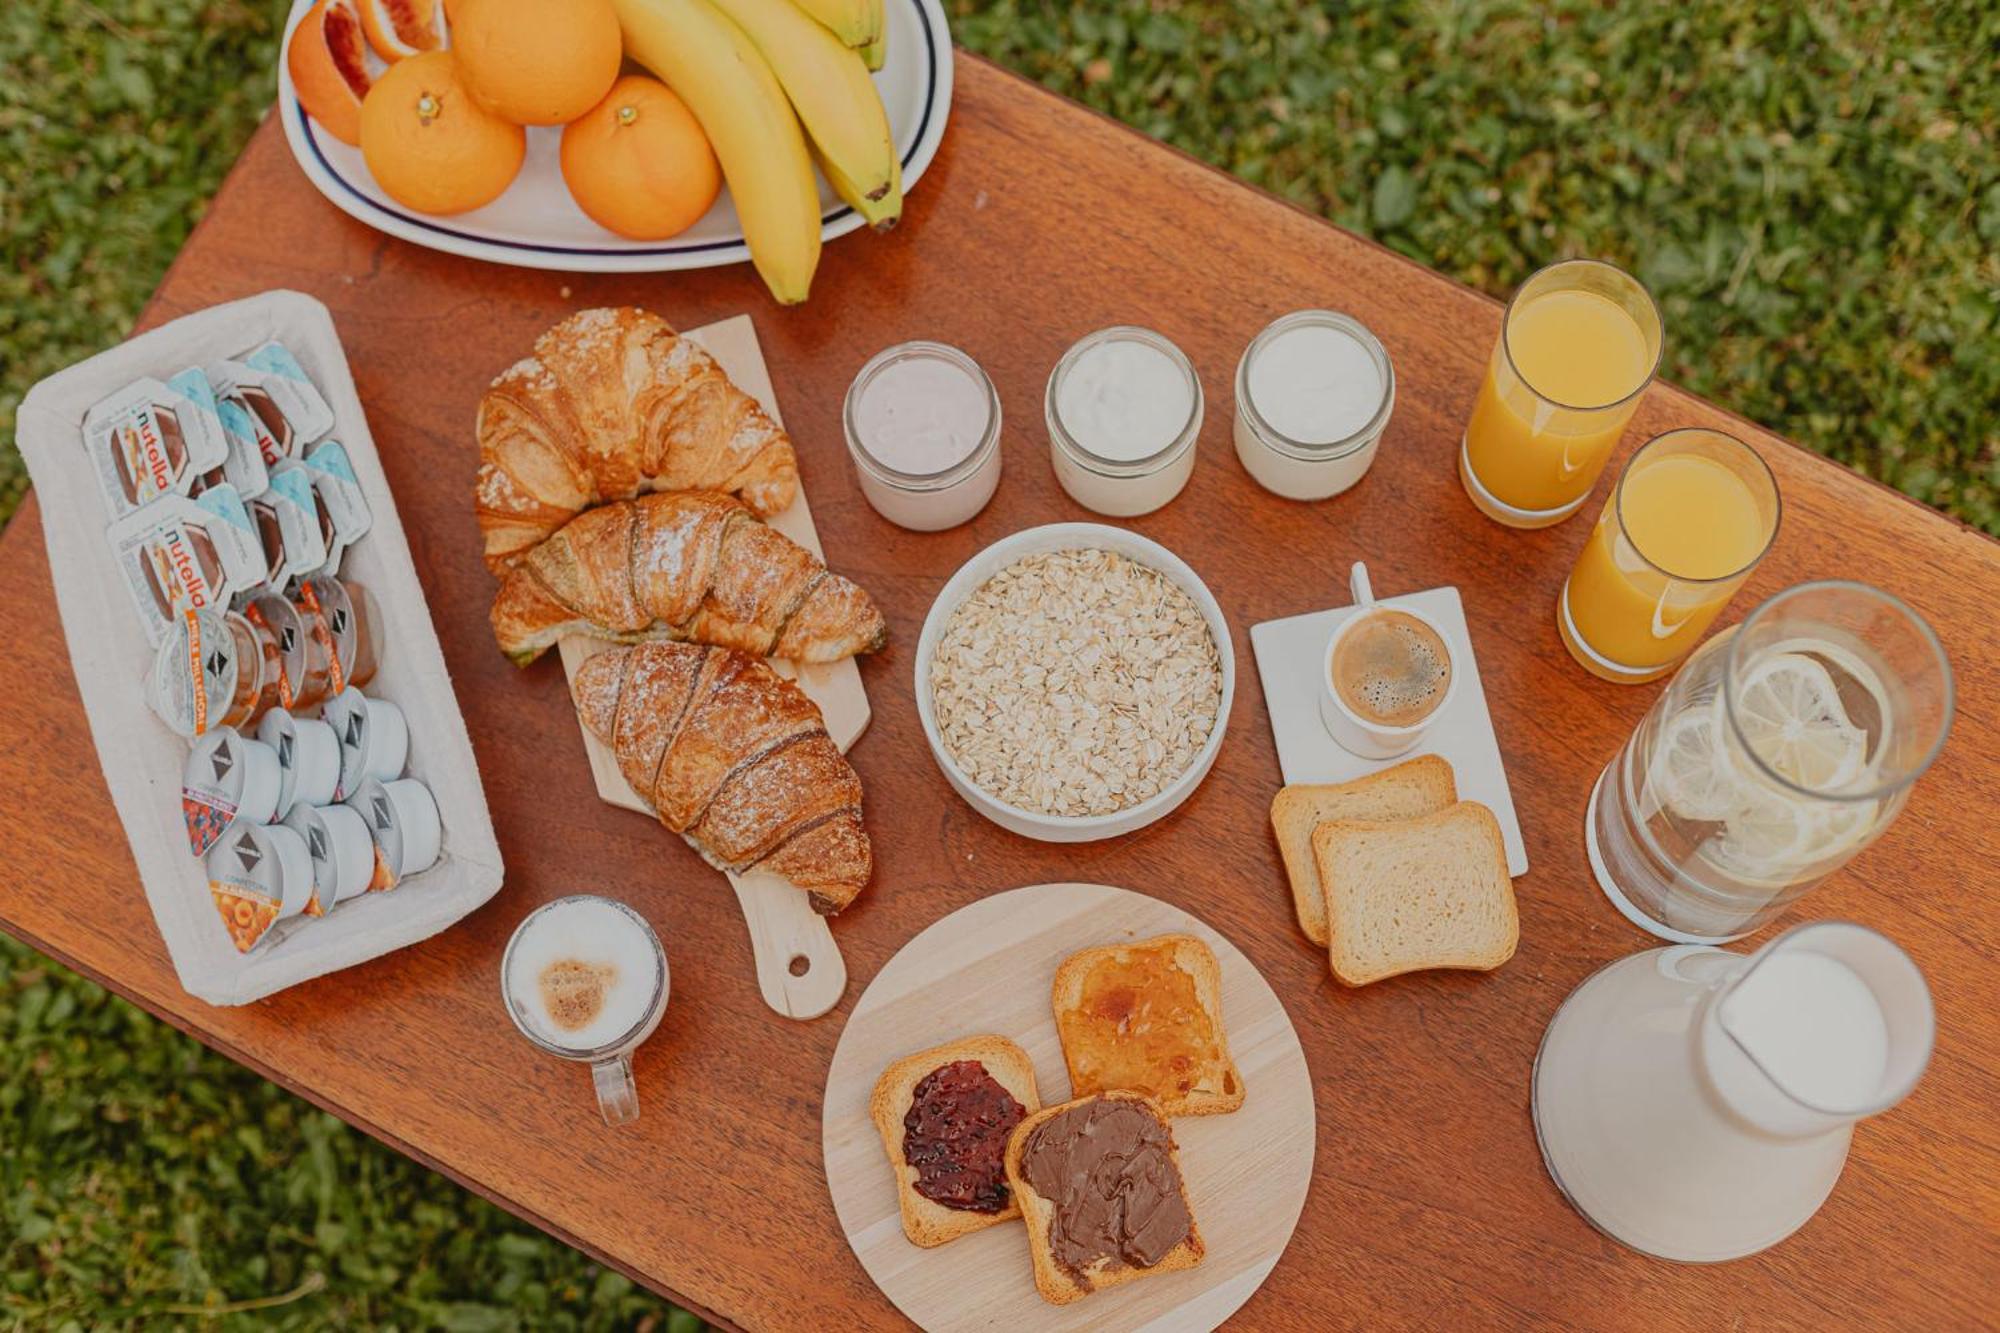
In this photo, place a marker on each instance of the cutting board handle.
(799, 967)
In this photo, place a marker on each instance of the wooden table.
(1038, 223)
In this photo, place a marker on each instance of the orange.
(400, 28)
(638, 163)
(329, 72)
(429, 145)
(535, 62)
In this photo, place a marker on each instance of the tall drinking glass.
(1781, 749)
(1692, 514)
(1580, 342)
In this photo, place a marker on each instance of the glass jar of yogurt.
(923, 428)
(1124, 409)
(1314, 392)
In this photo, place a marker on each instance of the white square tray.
(142, 759)
(1289, 656)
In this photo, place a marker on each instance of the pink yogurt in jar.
(923, 428)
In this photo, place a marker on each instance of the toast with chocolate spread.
(1100, 1187)
(1147, 1017)
(945, 1115)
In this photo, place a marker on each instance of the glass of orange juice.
(1580, 342)
(1692, 514)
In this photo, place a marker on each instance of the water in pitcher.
(1782, 749)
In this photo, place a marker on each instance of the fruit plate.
(536, 224)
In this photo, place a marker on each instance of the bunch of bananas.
(754, 72)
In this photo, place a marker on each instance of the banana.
(733, 92)
(855, 22)
(835, 99)
(874, 50)
(882, 213)
(877, 51)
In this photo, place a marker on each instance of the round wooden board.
(988, 967)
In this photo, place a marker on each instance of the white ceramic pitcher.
(1697, 1104)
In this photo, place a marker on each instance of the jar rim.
(1306, 450)
(951, 475)
(1122, 468)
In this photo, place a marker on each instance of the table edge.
(1399, 257)
(350, 1117)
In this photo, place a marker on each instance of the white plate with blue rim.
(536, 224)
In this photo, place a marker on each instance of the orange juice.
(1562, 383)
(1692, 515)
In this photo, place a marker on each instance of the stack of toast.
(1096, 1179)
(1392, 873)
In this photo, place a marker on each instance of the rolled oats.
(1076, 683)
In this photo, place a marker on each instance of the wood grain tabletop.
(1040, 222)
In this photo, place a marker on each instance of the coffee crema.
(1391, 669)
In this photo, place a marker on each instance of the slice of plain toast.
(1211, 1087)
(1419, 786)
(1409, 894)
(925, 1221)
(1055, 1284)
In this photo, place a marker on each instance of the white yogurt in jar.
(1313, 394)
(923, 429)
(1124, 409)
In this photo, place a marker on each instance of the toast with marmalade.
(1147, 1017)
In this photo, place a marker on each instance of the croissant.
(612, 403)
(684, 565)
(735, 759)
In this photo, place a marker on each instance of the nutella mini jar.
(923, 429)
(374, 739)
(342, 852)
(343, 616)
(228, 779)
(1124, 409)
(402, 818)
(212, 670)
(308, 759)
(1314, 392)
(258, 875)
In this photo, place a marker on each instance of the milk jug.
(1697, 1104)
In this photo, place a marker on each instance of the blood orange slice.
(328, 62)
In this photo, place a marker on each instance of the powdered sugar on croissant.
(613, 403)
(683, 565)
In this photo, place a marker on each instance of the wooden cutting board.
(989, 967)
(799, 967)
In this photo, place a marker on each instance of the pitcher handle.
(617, 1094)
(1700, 964)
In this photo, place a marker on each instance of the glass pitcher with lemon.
(1782, 748)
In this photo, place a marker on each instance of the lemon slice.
(1768, 837)
(1694, 776)
(1791, 717)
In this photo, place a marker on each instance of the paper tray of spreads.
(142, 759)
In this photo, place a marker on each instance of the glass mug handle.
(617, 1094)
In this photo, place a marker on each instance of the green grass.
(1812, 191)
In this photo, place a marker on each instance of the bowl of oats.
(1074, 681)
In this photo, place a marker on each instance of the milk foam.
(1392, 670)
(583, 934)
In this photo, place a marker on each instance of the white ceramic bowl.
(1072, 537)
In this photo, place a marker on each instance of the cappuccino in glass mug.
(585, 978)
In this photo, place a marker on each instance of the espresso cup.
(1366, 736)
(585, 978)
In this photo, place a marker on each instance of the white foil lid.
(228, 779)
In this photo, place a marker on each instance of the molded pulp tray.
(142, 759)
